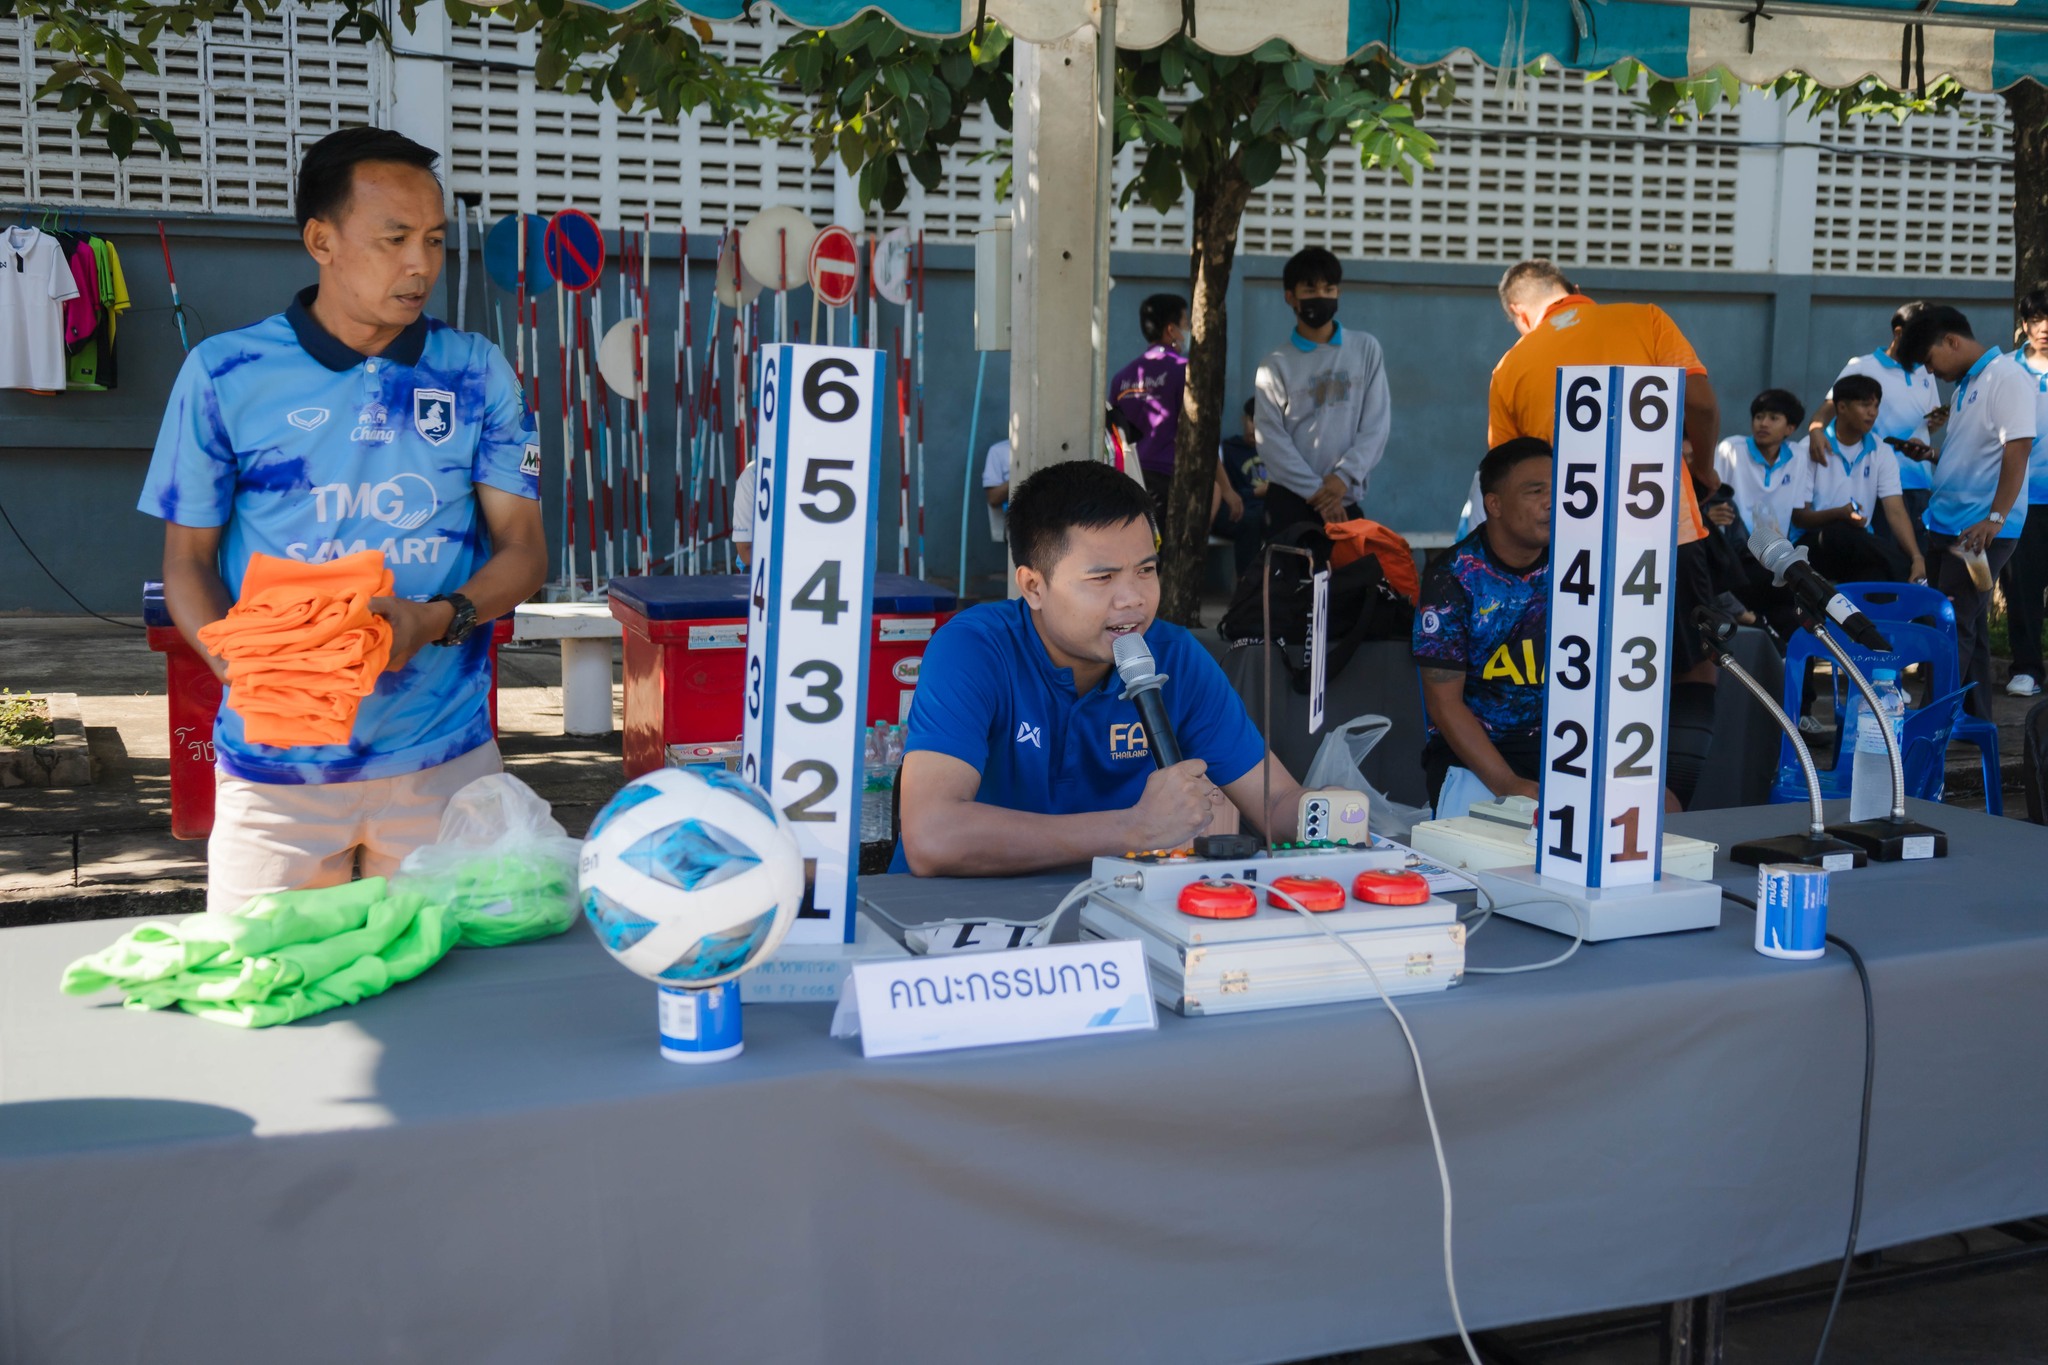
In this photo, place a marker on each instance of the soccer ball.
(690, 876)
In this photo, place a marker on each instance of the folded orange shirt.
(302, 646)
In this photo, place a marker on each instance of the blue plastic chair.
(1921, 625)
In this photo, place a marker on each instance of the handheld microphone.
(1820, 598)
(1143, 684)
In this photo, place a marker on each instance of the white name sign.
(1612, 550)
(810, 609)
(933, 1004)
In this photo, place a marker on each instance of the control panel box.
(1162, 874)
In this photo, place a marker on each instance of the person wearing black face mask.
(1323, 411)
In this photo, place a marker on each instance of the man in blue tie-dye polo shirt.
(353, 421)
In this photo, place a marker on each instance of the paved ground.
(106, 850)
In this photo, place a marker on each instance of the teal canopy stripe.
(1985, 46)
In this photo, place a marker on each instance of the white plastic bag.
(1340, 762)
(502, 863)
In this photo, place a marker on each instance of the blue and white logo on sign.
(433, 414)
(306, 419)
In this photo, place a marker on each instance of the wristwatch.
(464, 621)
(1995, 518)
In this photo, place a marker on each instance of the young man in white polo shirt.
(1770, 483)
(2025, 581)
(1978, 502)
(1860, 477)
(1910, 412)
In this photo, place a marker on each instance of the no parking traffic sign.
(832, 267)
(574, 249)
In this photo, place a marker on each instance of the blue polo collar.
(1863, 451)
(320, 344)
(1041, 657)
(1302, 343)
(1770, 467)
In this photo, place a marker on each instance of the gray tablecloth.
(492, 1164)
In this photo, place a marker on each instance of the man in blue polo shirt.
(1022, 754)
(350, 422)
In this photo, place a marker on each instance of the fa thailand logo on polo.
(1027, 733)
(433, 414)
(307, 419)
(1127, 740)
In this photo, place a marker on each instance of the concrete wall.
(70, 466)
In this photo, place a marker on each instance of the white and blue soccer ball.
(690, 876)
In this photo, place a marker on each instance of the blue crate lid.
(154, 612)
(723, 597)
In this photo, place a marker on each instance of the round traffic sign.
(833, 269)
(615, 356)
(775, 246)
(501, 254)
(574, 248)
(735, 286)
(889, 265)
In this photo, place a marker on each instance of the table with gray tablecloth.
(492, 1163)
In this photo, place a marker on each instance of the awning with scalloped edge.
(1985, 46)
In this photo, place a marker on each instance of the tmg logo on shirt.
(1127, 740)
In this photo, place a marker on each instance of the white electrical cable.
(1486, 913)
(1436, 1141)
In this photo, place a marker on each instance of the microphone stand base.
(1890, 841)
(1808, 849)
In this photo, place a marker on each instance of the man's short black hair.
(1525, 277)
(1786, 404)
(2033, 305)
(1926, 327)
(327, 175)
(1502, 459)
(1906, 312)
(1251, 407)
(1160, 312)
(1311, 265)
(1072, 493)
(1855, 388)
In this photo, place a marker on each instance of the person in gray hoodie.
(1323, 409)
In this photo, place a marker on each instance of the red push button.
(1218, 900)
(1391, 888)
(1315, 893)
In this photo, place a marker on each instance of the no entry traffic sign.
(574, 249)
(832, 269)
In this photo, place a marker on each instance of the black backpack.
(1362, 605)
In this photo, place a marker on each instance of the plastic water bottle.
(1870, 783)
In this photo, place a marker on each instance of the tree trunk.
(1220, 201)
(2027, 102)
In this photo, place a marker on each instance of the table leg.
(587, 686)
(1695, 1331)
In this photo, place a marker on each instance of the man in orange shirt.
(1561, 326)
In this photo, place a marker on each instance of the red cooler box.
(195, 701)
(686, 656)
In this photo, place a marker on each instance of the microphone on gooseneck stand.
(1816, 847)
(1144, 684)
(1814, 594)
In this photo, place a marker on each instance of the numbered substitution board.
(1613, 539)
(811, 609)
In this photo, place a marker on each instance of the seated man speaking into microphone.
(1024, 752)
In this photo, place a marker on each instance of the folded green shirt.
(296, 953)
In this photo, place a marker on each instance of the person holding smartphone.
(1908, 415)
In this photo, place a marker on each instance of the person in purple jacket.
(1148, 390)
